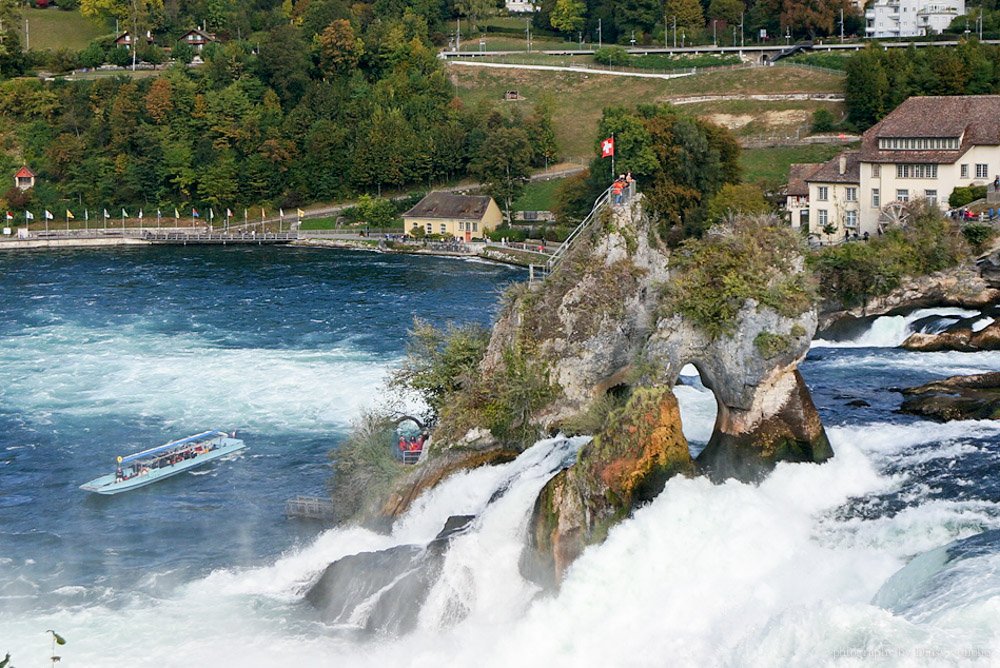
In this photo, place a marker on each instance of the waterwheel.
(893, 214)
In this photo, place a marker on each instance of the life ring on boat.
(119, 459)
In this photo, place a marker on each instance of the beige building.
(925, 148)
(797, 193)
(462, 216)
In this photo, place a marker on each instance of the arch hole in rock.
(698, 407)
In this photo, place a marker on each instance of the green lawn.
(56, 29)
(538, 196)
(771, 164)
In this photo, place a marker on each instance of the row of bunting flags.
(48, 215)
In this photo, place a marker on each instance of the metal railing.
(599, 205)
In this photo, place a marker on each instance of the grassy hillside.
(578, 98)
(56, 29)
(771, 164)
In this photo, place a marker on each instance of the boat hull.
(107, 484)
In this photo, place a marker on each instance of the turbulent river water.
(102, 353)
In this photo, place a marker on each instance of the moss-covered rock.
(975, 397)
(640, 447)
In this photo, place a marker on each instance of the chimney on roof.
(842, 164)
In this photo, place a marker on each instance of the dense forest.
(878, 80)
(336, 102)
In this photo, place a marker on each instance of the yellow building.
(462, 216)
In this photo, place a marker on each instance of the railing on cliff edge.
(599, 205)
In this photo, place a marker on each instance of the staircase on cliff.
(600, 204)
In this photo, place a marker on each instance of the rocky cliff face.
(611, 342)
(965, 286)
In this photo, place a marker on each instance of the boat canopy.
(173, 444)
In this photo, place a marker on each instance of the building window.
(907, 171)
(824, 194)
(821, 217)
(903, 195)
(852, 194)
(918, 143)
(430, 228)
(982, 171)
(964, 172)
(876, 171)
(444, 228)
(851, 219)
(931, 196)
(876, 198)
(475, 227)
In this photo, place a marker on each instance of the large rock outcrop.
(610, 331)
(975, 397)
(960, 339)
(964, 286)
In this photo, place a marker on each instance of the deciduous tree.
(339, 48)
(568, 15)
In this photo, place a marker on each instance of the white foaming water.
(935, 364)
(730, 574)
(889, 331)
(186, 380)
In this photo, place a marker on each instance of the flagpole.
(613, 172)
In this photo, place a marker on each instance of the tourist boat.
(149, 466)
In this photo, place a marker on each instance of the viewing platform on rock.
(310, 508)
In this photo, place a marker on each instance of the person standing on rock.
(616, 189)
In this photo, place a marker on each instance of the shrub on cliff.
(852, 273)
(440, 361)
(364, 466)
(751, 258)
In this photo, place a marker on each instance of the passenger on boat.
(119, 474)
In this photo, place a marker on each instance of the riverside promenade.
(132, 236)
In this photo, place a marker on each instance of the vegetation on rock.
(754, 258)
(852, 273)
(364, 467)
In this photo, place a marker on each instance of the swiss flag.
(608, 147)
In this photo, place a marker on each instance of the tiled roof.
(797, 175)
(24, 173)
(449, 205)
(975, 118)
(830, 172)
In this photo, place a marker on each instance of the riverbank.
(90, 242)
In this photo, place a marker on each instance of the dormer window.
(919, 143)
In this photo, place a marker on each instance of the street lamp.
(682, 38)
(715, 38)
(632, 40)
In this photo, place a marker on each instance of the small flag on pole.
(300, 212)
(177, 214)
(211, 213)
(28, 215)
(262, 216)
(608, 147)
(48, 215)
(229, 214)
(124, 214)
(86, 214)
(195, 214)
(10, 216)
(140, 214)
(281, 213)
(69, 215)
(106, 214)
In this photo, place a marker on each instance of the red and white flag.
(608, 147)
(10, 216)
